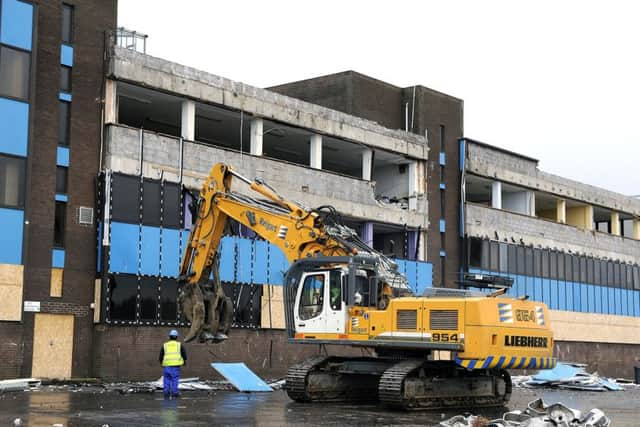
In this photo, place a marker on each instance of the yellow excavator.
(446, 348)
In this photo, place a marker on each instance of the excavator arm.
(299, 232)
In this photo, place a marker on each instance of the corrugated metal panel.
(443, 320)
(407, 319)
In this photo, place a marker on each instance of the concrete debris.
(568, 376)
(537, 414)
(20, 384)
(187, 384)
(278, 384)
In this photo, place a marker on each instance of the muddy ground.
(94, 406)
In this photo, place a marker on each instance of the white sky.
(554, 80)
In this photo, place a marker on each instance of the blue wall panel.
(66, 55)
(260, 257)
(611, 297)
(11, 224)
(412, 275)
(170, 252)
(16, 25)
(425, 277)
(14, 127)
(62, 157)
(243, 264)
(57, 258)
(124, 248)
(537, 289)
(150, 256)
(278, 265)
(227, 259)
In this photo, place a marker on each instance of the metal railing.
(130, 39)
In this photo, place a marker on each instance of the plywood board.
(11, 283)
(272, 307)
(55, 289)
(97, 292)
(52, 346)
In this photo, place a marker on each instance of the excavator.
(446, 348)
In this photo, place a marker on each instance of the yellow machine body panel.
(483, 332)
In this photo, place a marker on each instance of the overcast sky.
(554, 80)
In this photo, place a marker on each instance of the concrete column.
(315, 158)
(561, 211)
(615, 223)
(589, 218)
(110, 102)
(413, 186)
(367, 164)
(366, 233)
(188, 130)
(496, 195)
(636, 228)
(531, 200)
(257, 125)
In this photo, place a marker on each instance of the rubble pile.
(537, 414)
(570, 376)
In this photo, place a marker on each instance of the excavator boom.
(298, 231)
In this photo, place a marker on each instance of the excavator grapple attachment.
(208, 309)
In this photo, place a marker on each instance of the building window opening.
(58, 228)
(14, 73)
(65, 78)
(12, 175)
(67, 24)
(64, 120)
(61, 179)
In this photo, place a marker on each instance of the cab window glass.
(335, 291)
(311, 297)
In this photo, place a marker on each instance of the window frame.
(22, 182)
(59, 224)
(28, 70)
(67, 119)
(72, 19)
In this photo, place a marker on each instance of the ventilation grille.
(407, 319)
(443, 319)
(85, 215)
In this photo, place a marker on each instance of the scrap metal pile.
(537, 414)
(568, 376)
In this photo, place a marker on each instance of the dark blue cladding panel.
(243, 264)
(227, 259)
(170, 252)
(150, 256)
(123, 256)
(11, 224)
(260, 256)
(14, 127)
(16, 25)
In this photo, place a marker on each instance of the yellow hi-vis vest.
(172, 355)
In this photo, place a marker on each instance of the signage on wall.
(32, 306)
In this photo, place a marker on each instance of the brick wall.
(132, 352)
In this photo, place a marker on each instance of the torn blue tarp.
(573, 377)
(241, 377)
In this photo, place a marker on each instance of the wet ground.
(96, 407)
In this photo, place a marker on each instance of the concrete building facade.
(574, 246)
(103, 149)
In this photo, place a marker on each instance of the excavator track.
(409, 384)
(296, 381)
(415, 384)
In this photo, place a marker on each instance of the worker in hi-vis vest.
(172, 356)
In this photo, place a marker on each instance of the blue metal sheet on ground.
(241, 377)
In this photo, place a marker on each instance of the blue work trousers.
(171, 379)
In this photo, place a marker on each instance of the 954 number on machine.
(446, 337)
